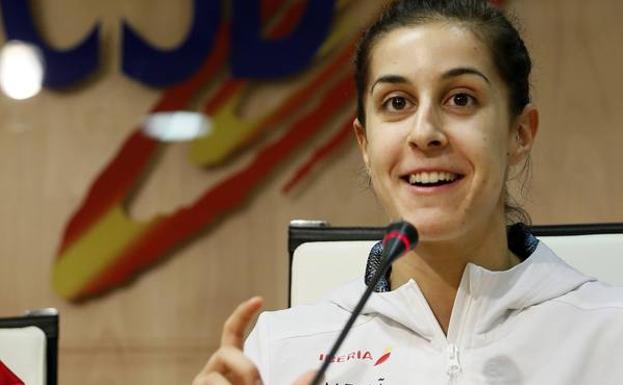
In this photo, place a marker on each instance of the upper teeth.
(431, 177)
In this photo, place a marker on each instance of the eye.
(462, 99)
(396, 103)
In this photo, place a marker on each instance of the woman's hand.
(228, 365)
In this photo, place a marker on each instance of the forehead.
(429, 50)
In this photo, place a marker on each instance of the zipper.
(453, 369)
(461, 322)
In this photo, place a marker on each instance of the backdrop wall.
(160, 328)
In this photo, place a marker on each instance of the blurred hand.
(228, 365)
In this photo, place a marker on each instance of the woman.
(443, 118)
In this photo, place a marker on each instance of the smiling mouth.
(431, 179)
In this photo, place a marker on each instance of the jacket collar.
(485, 298)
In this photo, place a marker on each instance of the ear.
(523, 134)
(362, 140)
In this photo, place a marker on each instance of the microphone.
(399, 238)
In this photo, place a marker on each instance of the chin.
(437, 227)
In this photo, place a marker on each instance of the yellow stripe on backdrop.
(94, 251)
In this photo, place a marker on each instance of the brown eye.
(462, 100)
(396, 103)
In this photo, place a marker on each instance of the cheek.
(486, 151)
(492, 149)
(494, 163)
(383, 147)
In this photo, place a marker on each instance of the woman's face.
(439, 137)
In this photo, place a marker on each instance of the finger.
(307, 378)
(213, 378)
(231, 362)
(236, 324)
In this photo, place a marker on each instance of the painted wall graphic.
(102, 247)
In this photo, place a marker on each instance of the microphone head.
(399, 238)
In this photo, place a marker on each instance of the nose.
(427, 134)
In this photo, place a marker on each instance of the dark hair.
(486, 21)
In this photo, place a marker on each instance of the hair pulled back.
(487, 22)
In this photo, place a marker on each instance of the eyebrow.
(464, 71)
(455, 72)
(391, 79)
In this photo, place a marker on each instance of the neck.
(438, 267)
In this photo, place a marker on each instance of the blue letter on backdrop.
(158, 67)
(62, 67)
(254, 57)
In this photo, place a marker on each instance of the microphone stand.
(351, 320)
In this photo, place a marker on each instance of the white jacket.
(540, 323)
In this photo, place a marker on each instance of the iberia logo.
(358, 355)
(384, 357)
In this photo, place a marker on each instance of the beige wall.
(161, 328)
(578, 53)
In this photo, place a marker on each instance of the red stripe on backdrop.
(321, 152)
(112, 185)
(303, 94)
(227, 90)
(179, 96)
(231, 86)
(269, 7)
(173, 231)
(289, 21)
(293, 102)
(122, 173)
